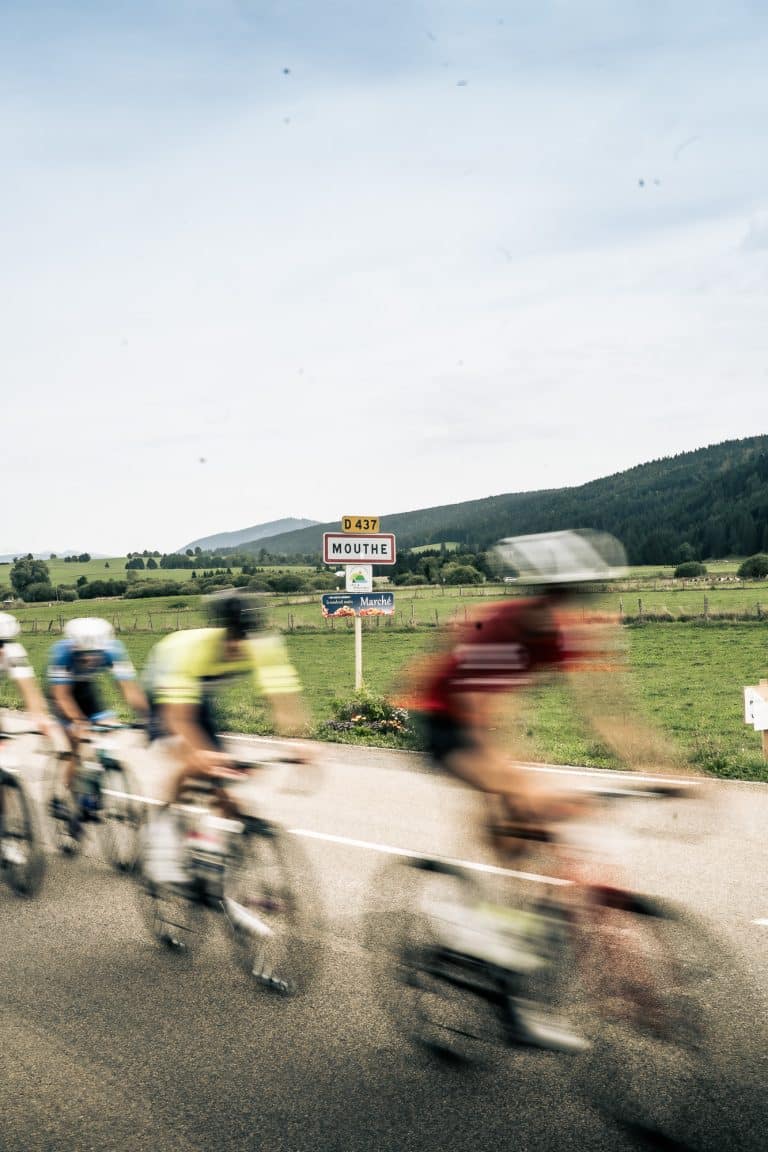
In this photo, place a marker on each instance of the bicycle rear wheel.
(443, 998)
(272, 906)
(120, 816)
(21, 855)
(677, 1030)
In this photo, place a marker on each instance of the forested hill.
(712, 502)
(248, 535)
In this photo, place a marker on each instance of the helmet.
(239, 613)
(9, 626)
(577, 556)
(89, 633)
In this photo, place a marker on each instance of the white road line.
(470, 865)
(763, 923)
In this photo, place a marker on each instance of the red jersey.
(499, 651)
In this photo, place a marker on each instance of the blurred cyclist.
(463, 695)
(183, 674)
(14, 663)
(88, 649)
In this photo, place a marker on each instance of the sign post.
(359, 545)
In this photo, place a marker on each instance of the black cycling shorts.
(205, 719)
(442, 735)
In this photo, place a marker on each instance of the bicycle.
(105, 799)
(22, 860)
(669, 1026)
(248, 871)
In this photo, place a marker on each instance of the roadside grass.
(687, 679)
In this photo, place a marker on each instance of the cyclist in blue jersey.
(88, 649)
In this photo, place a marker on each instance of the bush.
(286, 583)
(38, 592)
(461, 574)
(153, 588)
(365, 715)
(754, 567)
(690, 569)
(95, 588)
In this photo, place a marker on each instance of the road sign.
(375, 548)
(359, 578)
(756, 706)
(359, 523)
(339, 604)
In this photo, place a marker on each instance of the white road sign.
(375, 548)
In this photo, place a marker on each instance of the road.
(108, 1043)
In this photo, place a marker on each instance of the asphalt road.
(109, 1043)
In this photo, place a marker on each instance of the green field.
(687, 679)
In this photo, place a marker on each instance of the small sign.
(359, 523)
(377, 548)
(359, 578)
(756, 707)
(339, 604)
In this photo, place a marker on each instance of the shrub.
(365, 715)
(690, 569)
(37, 592)
(754, 567)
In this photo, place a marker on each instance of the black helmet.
(239, 613)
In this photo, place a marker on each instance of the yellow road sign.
(360, 523)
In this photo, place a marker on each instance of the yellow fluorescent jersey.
(186, 666)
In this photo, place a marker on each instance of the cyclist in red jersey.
(462, 691)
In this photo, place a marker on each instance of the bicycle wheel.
(677, 1030)
(443, 999)
(272, 906)
(66, 830)
(174, 915)
(21, 855)
(120, 817)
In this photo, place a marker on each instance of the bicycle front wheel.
(677, 1030)
(120, 816)
(20, 847)
(433, 985)
(272, 905)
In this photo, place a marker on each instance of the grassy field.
(687, 679)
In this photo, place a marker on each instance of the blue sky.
(272, 259)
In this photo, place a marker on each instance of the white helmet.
(574, 557)
(89, 633)
(9, 626)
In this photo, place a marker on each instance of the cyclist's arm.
(604, 699)
(34, 703)
(64, 699)
(133, 694)
(194, 746)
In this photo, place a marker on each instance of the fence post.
(621, 607)
(639, 607)
(706, 608)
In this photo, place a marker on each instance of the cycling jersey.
(502, 649)
(186, 667)
(67, 665)
(14, 662)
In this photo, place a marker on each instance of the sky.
(269, 258)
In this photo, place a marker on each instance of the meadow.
(686, 678)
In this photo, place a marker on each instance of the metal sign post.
(359, 545)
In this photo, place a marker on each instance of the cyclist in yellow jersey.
(182, 678)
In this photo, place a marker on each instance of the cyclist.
(14, 663)
(461, 696)
(183, 675)
(88, 649)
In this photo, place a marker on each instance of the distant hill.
(9, 557)
(709, 503)
(248, 535)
